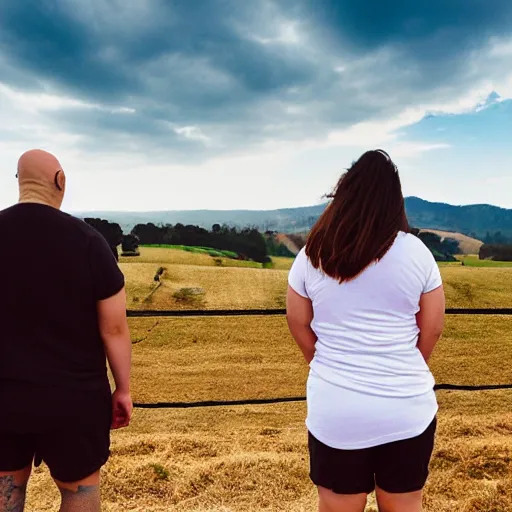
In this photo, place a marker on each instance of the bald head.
(41, 178)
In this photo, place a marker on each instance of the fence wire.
(274, 312)
(146, 313)
(288, 399)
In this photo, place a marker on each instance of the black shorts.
(398, 467)
(67, 429)
(71, 454)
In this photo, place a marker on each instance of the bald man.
(62, 315)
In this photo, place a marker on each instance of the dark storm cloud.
(437, 36)
(92, 51)
(231, 68)
(371, 24)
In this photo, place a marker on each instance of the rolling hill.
(467, 244)
(473, 220)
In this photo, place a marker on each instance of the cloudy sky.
(185, 104)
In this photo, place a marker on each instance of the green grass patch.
(190, 297)
(214, 253)
(474, 261)
(160, 472)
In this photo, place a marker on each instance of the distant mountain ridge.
(289, 220)
(473, 220)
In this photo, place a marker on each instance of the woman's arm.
(430, 320)
(299, 313)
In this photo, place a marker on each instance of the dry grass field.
(231, 358)
(248, 288)
(224, 288)
(254, 458)
(163, 256)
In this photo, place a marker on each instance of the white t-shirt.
(368, 382)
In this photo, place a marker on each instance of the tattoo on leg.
(12, 496)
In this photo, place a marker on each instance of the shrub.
(159, 273)
(128, 254)
(160, 472)
(496, 252)
(189, 296)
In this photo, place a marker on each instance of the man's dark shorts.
(72, 439)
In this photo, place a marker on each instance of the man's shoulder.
(74, 225)
(89, 233)
(6, 212)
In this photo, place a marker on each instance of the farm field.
(234, 358)
(254, 458)
(169, 256)
(235, 459)
(474, 261)
(232, 287)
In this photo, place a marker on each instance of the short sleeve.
(297, 275)
(108, 280)
(433, 279)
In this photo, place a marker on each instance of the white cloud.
(192, 133)
(341, 103)
(501, 48)
(43, 101)
(286, 32)
(294, 109)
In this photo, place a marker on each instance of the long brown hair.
(362, 220)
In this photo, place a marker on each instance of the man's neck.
(37, 199)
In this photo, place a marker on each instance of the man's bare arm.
(114, 331)
(115, 334)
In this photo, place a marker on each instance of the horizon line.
(269, 209)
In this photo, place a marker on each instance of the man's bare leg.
(82, 496)
(13, 490)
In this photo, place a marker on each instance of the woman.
(366, 306)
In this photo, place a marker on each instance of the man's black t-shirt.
(54, 269)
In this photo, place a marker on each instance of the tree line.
(496, 252)
(247, 243)
(443, 249)
(250, 243)
(497, 238)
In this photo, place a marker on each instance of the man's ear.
(60, 180)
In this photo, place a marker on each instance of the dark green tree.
(112, 233)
